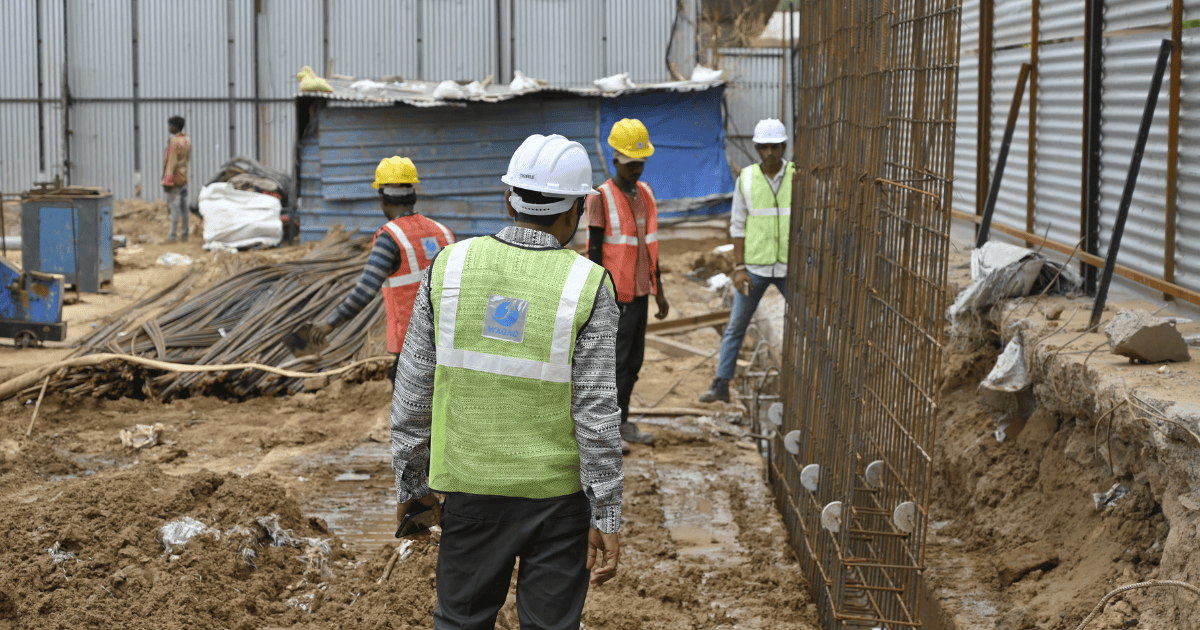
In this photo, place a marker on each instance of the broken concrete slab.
(1012, 565)
(1144, 338)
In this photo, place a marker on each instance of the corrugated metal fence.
(229, 68)
(1132, 32)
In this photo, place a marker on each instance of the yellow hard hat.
(395, 170)
(629, 136)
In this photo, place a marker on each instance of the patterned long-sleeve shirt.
(383, 262)
(176, 160)
(593, 398)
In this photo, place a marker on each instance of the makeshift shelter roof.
(370, 92)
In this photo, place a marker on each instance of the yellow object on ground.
(310, 82)
(395, 170)
(629, 136)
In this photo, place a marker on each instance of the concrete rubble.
(1146, 339)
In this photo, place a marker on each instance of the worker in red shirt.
(175, 177)
(623, 236)
(403, 248)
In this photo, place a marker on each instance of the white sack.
(522, 83)
(239, 218)
(704, 74)
(448, 90)
(615, 83)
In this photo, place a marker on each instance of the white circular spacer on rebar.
(831, 517)
(792, 442)
(874, 474)
(905, 517)
(775, 413)
(810, 477)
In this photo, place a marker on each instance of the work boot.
(719, 390)
(631, 433)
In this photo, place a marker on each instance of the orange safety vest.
(420, 238)
(621, 238)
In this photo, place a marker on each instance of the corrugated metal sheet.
(182, 49)
(1128, 14)
(633, 27)
(752, 94)
(1129, 62)
(102, 147)
(967, 119)
(561, 42)
(99, 44)
(1013, 24)
(393, 22)
(1061, 19)
(19, 121)
(279, 135)
(1011, 203)
(461, 153)
(242, 15)
(1058, 191)
(459, 38)
(1187, 235)
(291, 35)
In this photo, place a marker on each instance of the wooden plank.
(674, 348)
(1159, 284)
(685, 324)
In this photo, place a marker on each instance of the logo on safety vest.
(431, 246)
(505, 319)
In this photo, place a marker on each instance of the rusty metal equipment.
(851, 462)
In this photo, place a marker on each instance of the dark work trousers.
(482, 536)
(631, 348)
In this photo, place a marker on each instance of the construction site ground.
(702, 544)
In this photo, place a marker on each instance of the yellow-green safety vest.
(768, 215)
(506, 321)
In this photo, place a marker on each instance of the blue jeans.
(743, 310)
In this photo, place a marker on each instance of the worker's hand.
(663, 307)
(741, 281)
(319, 331)
(430, 500)
(166, 189)
(603, 553)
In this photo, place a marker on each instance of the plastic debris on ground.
(142, 435)
(721, 249)
(176, 534)
(717, 282)
(1114, 494)
(172, 259)
(1003, 388)
(351, 476)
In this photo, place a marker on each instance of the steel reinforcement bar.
(874, 137)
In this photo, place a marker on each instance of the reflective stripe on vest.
(767, 221)
(400, 289)
(621, 239)
(556, 370)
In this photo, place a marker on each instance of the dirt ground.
(297, 495)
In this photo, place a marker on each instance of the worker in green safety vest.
(505, 402)
(759, 225)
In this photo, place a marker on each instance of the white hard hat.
(551, 165)
(769, 131)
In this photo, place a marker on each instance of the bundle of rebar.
(243, 318)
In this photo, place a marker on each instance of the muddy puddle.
(359, 500)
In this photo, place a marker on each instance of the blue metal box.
(68, 231)
(30, 305)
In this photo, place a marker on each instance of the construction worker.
(397, 261)
(176, 159)
(759, 224)
(505, 402)
(623, 236)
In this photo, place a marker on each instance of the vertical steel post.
(1135, 165)
(231, 72)
(258, 113)
(989, 208)
(1031, 170)
(66, 97)
(1173, 143)
(983, 132)
(1093, 68)
(41, 91)
(137, 117)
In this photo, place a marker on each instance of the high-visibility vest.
(768, 215)
(621, 238)
(419, 239)
(506, 320)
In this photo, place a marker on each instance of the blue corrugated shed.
(461, 153)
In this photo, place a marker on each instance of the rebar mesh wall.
(870, 217)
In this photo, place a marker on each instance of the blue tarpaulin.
(688, 135)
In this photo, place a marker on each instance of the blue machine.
(30, 306)
(68, 231)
